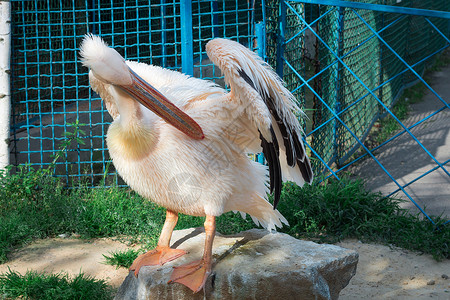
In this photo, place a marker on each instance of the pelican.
(183, 142)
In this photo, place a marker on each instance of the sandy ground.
(69, 255)
(394, 273)
(383, 272)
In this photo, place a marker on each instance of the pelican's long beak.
(151, 98)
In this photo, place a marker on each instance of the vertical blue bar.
(280, 42)
(448, 27)
(187, 54)
(260, 31)
(261, 39)
(163, 32)
(92, 5)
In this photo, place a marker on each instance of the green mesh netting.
(372, 64)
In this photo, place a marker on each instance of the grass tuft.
(60, 286)
(122, 259)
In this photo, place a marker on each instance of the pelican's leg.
(194, 274)
(162, 253)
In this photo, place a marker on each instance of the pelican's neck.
(133, 134)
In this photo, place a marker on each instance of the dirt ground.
(382, 273)
(393, 273)
(68, 255)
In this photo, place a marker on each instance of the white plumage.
(213, 175)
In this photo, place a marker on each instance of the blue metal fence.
(347, 63)
(368, 54)
(50, 88)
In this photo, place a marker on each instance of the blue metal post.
(281, 32)
(380, 68)
(260, 29)
(163, 32)
(92, 16)
(187, 39)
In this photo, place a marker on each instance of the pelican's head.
(109, 66)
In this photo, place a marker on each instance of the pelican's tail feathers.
(263, 214)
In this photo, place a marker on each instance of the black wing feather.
(286, 133)
(268, 155)
(295, 152)
(305, 169)
(298, 146)
(271, 152)
(247, 79)
(290, 154)
(278, 178)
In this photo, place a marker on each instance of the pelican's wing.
(271, 108)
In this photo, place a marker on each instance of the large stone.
(253, 264)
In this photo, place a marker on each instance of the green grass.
(60, 286)
(35, 205)
(122, 259)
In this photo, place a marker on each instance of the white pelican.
(182, 142)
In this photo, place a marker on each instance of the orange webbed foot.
(159, 256)
(192, 275)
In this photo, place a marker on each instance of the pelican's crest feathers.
(105, 62)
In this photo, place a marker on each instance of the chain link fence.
(366, 53)
(57, 121)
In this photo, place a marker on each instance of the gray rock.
(253, 264)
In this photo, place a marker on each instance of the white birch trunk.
(5, 94)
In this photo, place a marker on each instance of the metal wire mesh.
(339, 87)
(366, 55)
(324, 139)
(46, 85)
(294, 54)
(272, 31)
(373, 68)
(57, 120)
(363, 60)
(218, 19)
(420, 42)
